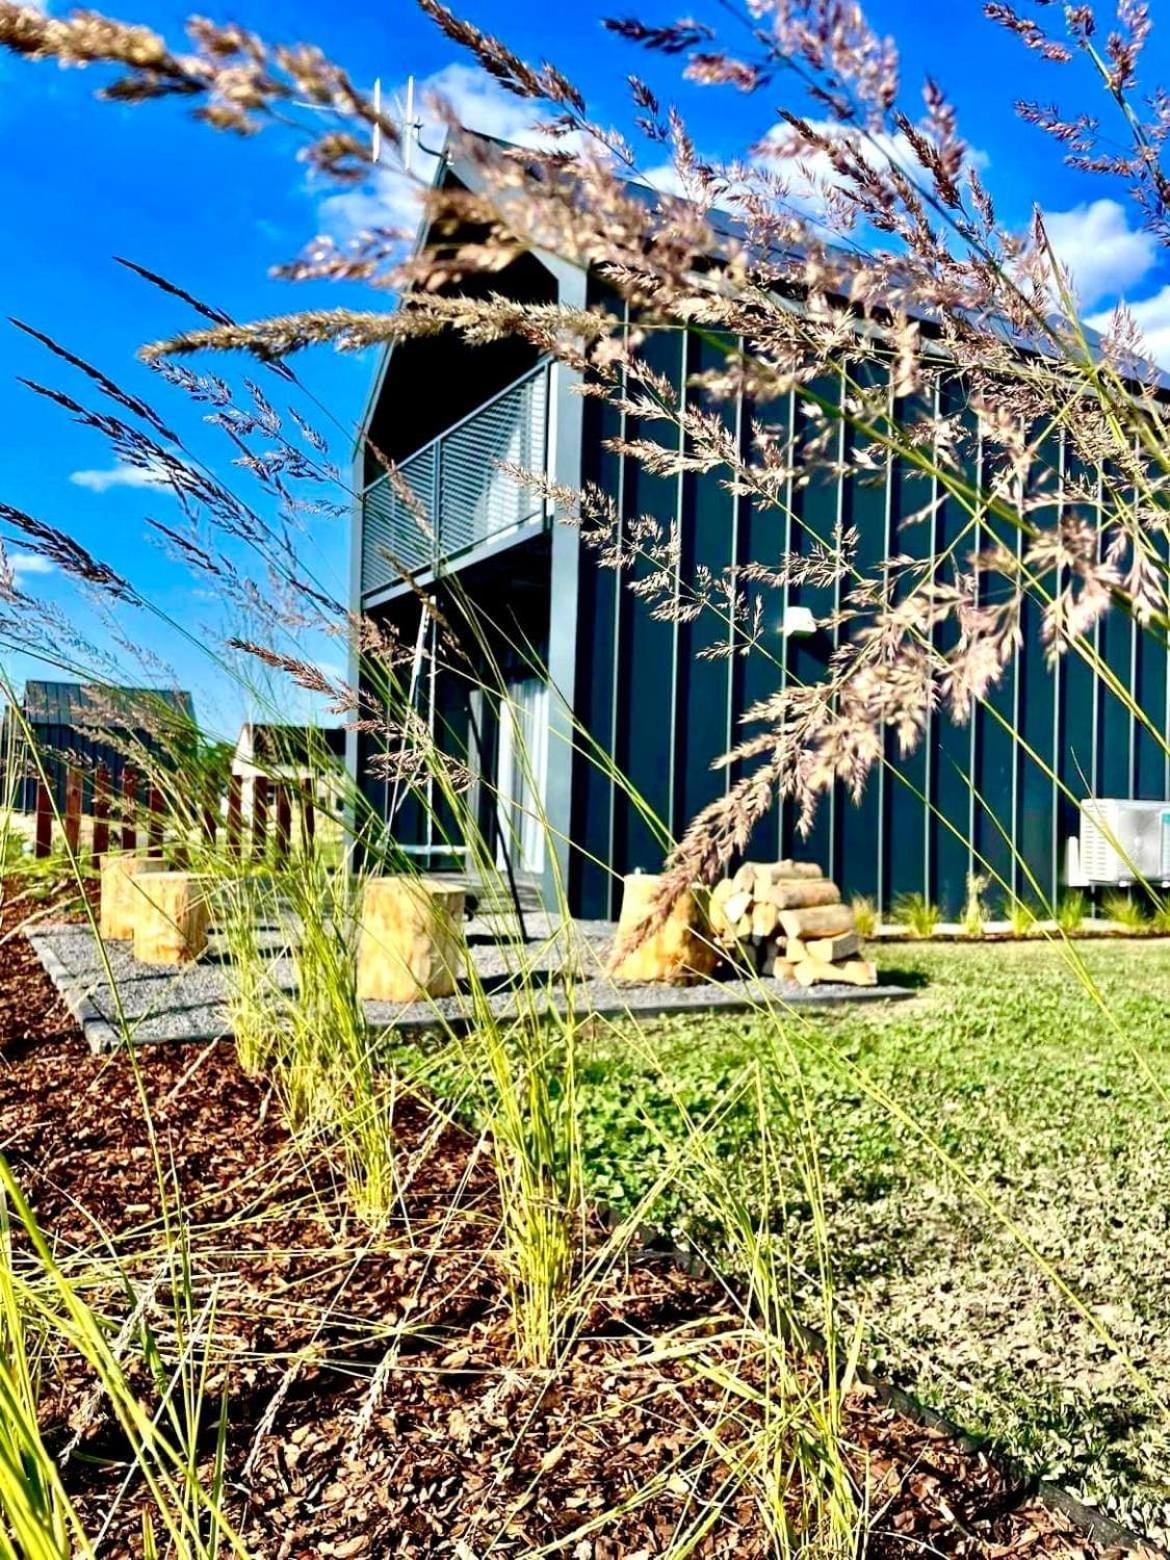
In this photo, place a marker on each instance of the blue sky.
(82, 181)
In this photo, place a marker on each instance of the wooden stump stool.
(680, 950)
(120, 898)
(410, 943)
(171, 923)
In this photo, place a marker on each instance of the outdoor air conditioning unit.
(1121, 842)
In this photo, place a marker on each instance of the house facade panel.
(656, 701)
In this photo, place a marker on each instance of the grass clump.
(1127, 910)
(974, 916)
(1071, 911)
(914, 911)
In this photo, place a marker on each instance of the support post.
(235, 816)
(308, 817)
(259, 817)
(283, 822)
(155, 837)
(101, 813)
(72, 810)
(210, 815)
(129, 808)
(44, 843)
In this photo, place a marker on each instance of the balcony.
(462, 499)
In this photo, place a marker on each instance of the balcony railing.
(458, 497)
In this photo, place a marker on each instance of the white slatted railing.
(452, 495)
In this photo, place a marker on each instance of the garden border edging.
(1096, 1525)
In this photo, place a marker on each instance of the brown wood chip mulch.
(374, 1402)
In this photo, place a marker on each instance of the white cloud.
(390, 198)
(1152, 316)
(23, 564)
(1101, 251)
(121, 475)
(810, 174)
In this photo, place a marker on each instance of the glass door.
(523, 772)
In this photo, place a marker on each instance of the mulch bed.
(374, 1403)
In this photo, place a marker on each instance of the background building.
(82, 725)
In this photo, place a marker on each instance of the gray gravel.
(190, 1002)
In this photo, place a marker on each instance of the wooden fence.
(140, 806)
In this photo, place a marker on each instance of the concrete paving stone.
(190, 1002)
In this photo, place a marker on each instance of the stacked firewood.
(786, 919)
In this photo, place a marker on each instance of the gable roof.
(299, 747)
(725, 226)
(98, 704)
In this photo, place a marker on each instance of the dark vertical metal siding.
(646, 648)
(993, 764)
(704, 663)
(906, 869)
(1114, 722)
(1036, 709)
(865, 510)
(765, 533)
(969, 799)
(1076, 710)
(949, 740)
(598, 655)
(815, 504)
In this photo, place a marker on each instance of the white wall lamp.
(797, 622)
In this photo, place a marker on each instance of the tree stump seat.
(120, 895)
(171, 920)
(410, 941)
(678, 951)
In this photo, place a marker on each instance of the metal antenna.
(376, 139)
(411, 126)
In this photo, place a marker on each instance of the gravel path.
(190, 1002)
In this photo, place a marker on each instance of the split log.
(723, 891)
(817, 921)
(815, 972)
(792, 871)
(858, 972)
(833, 949)
(799, 894)
(854, 972)
(744, 879)
(679, 951)
(172, 917)
(410, 943)
(778, 967)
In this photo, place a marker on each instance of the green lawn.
(1056, 1112)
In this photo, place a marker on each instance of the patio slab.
(171, 1003)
